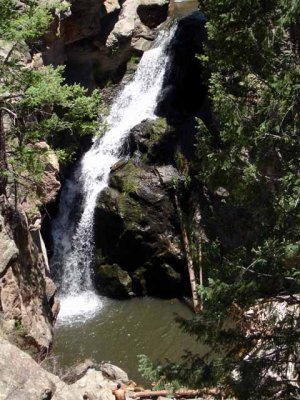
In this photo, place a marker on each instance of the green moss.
(130, 185)
(158, 129)
(127, 179)
(131, 211)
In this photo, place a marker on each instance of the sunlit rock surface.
(21, 378)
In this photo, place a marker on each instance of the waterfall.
(73, 241)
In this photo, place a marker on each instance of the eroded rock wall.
(28, 306)
(96, 39)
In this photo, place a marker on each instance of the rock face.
(184, 92)
(27, 296)
(153, 12)
(274, 361)
(138, 236)
(50, 185)
(111, 280)
(21, 378)
(96, 39)
(138, 233)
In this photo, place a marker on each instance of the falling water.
(73, 242)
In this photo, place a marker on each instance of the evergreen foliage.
(251, 152)
(35, 104)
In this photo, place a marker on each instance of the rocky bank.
(23, 379)
(28, 307)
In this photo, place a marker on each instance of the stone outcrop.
(138, 233)
(153, 12)
(96, 39)
(184, 90)
(28, 307)
(270, 325)
(138, 238)
(26, 313)
(50, 185)
(112, 280)
(22, 378)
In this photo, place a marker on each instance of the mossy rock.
(113, 281)
(126, 179)
(144, 135)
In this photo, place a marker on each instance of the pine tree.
(248, 161)
(35, 104)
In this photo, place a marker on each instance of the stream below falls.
(122, 330)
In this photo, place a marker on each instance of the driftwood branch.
(177, 393)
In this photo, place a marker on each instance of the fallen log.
(177, 393)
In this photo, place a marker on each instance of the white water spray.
(73, 244)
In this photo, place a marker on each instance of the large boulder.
(21, 378)
(153, 12)
(138, 231)
(114, 373)
(113, 281)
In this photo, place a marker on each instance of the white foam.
(79, 307)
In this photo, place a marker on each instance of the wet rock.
(149, 194)
(114, 373)
(137, 218)
(146, 134)
(118, 165)
(153, 12)
(142, 39)
(112, 281)
(184, 92)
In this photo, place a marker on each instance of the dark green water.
(124, 329)
(179, 9)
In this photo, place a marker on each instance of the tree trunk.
(200, 273)
(177, 393)
(188, 258)
(3, 160)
